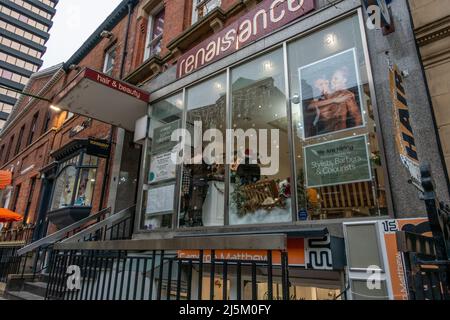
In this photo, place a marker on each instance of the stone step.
(37, 288)
(23, 295)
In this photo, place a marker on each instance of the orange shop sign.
(296, 254)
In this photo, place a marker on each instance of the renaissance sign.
(259, 22)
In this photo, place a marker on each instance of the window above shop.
(202, 7)
(110, 60)
(155, 32)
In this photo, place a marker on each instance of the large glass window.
(259, 157)
(74, 186)
(260, 189)
(203, 180)
(338, 158)
(160, 187)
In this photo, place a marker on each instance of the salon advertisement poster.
(162, 168)
(338, 162)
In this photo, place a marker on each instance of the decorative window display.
(74, 186)
(203, 181)
(258, 195)
(338, 158)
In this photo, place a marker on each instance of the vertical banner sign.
(404, 134)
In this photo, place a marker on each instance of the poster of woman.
(331, 97)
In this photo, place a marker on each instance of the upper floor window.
(8, 151)
(155, 34)
(110, 60)
(202, 7)
(33, 129)
(47, 120)
(19, 141)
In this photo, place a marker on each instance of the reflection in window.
(75, 184)
(159, 194)
(64, 188)
(203, 181)
(155, 34)
(339, 171)
(260, 190)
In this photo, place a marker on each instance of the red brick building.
(36, 133)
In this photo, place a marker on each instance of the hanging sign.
(404, 134)
(265, 18)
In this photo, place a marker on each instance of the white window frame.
(198, 3)
(148, 41)
(105, 62)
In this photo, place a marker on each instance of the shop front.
(77, 177)
(315, 271)
(286, 136)
(283, 140)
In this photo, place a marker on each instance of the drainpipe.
(112, 131)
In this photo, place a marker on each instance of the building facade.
(24, 31)
(251, 120)
(431, 25)
(46, 148)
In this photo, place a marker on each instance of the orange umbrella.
(5, 179)
(9, 216)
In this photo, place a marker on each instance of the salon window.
(159, 196)
(260, 188)
(203, 174)
(338, 159)
(74, 186)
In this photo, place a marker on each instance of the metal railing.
(20, 258)
(66, 232)
(10, 262)
(427, 259)
(156, 270)
(20, 234)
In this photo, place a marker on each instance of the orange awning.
(7, 216)
(5, 179)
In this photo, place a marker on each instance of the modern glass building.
(24, 31)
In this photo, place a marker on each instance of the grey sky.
(74, 22)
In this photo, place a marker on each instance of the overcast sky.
(74, 22)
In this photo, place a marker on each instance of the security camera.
(74, 67)
(106, 34)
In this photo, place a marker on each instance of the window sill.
(148, 69)
(267, 228)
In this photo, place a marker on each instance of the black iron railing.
(24, 258)
(20, 234)
(11, 263)
(162, 275)
(427, 259)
